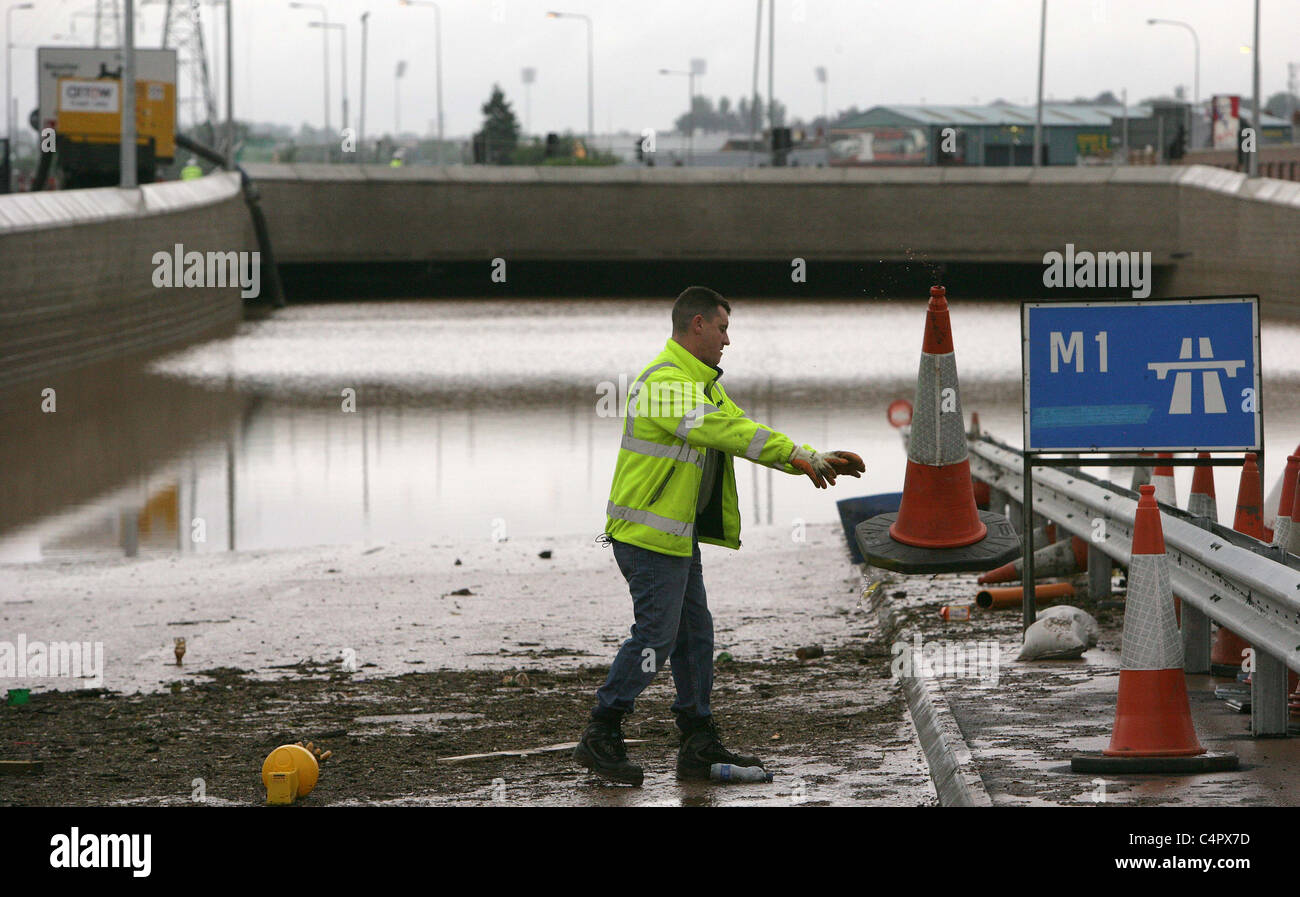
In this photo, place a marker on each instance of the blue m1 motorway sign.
(1142, 375)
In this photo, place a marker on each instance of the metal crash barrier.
(1220, 575)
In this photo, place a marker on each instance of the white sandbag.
(1053, 638)
(1087, 624)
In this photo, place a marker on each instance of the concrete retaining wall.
(1215, 230)
(77, 284)
(1239, 235)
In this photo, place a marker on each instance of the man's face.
(713, 335)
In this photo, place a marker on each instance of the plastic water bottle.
(725, 772)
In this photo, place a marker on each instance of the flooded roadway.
(475, 420)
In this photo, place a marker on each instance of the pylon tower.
(196, 106)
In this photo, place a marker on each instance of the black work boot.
(702, 747)
(602, 751)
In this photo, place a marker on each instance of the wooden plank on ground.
(548, 749)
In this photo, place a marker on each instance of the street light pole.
(343, 37)
(437, 57)
(1292, 85)
(230, 86)
(820, 72)
(1038, 112)
(529, 75)
(1254, 156)
(325, 41)
(771, 73)
(753, 94)
(9, 83)
(361, 124)
(591, 77)
(1196, 55)
(127, 156)
(397, 97)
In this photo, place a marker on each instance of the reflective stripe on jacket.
(676, 412)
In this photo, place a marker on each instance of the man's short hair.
(696, 301)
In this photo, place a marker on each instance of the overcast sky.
(903, 51)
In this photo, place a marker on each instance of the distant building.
(969, 135)
(1003, 135)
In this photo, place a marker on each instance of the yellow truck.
(88, 128)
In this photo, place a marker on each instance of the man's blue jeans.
(673, 623)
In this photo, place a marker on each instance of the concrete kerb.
(952, 767)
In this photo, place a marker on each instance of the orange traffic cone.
(1153, 729)
(937, 528)
(1285, 507)
(1273, 506)
(1064, 558)
(1163, 479)
(1201, 502)
(1229, 648)
(1249, 518)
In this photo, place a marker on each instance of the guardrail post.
(998, 501)
(1268, 697)
(1099, 567)
(1196, 640)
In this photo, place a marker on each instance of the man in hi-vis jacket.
(675, 487)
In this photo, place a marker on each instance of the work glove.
(845, 463)
(821, 467)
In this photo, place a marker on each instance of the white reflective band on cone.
(1292, 538)
(1165, 493)
(938, 437)
(1151, 639)
(1202, 505)
(1281, 530)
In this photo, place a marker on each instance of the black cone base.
(1211, 762)
(999, 546)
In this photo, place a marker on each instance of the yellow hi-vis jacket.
(676, 413)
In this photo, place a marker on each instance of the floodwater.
(479, 420)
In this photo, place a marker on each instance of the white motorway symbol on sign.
(1213, 402)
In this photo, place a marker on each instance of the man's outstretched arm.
(704, 425)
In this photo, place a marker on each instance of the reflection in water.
(441, 421)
